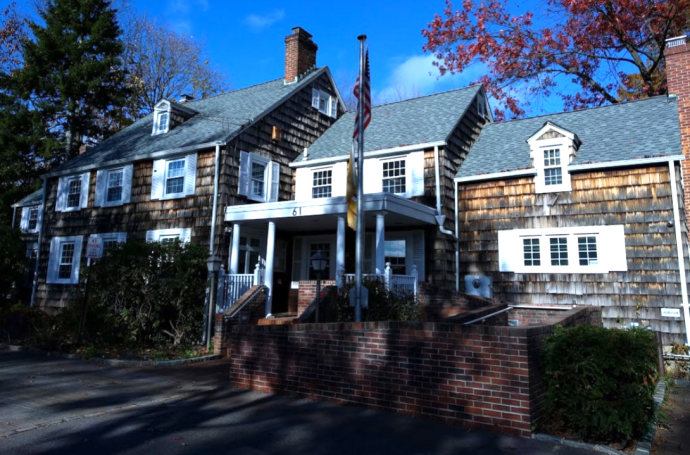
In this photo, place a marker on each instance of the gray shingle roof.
(618, 132)
(219, 117)
(426, 119)
(34, 198)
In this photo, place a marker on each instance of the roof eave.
(369, 154)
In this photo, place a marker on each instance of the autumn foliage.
(611, 51)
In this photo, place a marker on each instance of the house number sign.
(297, 211)
(670, 312)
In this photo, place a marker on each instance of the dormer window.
(168, 115)
(162, 124)
(552, 148)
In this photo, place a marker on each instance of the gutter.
(440, 217)
(14, 215)
(215, 201)
(369, 154)
(34, 285)
(457, 240)
(679, 250)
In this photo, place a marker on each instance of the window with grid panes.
(559, 251)
(258, 182)
(33, 218)
(74, 194)
(66, 261)
(174, 177)
(532, 255)
(394, 253)
(394, 177)
(587, 250)
(322, 184)
(115, 179)
(553, 174)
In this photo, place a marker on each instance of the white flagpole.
(359, 249)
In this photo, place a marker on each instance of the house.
(28, 217)
(412, 151)
(581, 208)
(171, 174)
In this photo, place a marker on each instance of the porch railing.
(393, 282)
(231, 286)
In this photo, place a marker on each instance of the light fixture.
(318, 262)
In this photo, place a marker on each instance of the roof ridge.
(581, 110)
(429, 95)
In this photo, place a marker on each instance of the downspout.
(457, 239)
(215, 201)
(14, 215)
(440, 217)
(38, 250)
(679, 251)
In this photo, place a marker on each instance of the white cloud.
(417, 76)
(185, 6)
(258, 22)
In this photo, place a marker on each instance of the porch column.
(340, 250)
(268, 280)
(235, 252)
(380, 242)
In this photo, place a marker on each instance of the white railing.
(397, 283)
(231, 286)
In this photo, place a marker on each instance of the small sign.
(94, 248)
(365, 297)
(670, 312)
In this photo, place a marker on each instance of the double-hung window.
(322, 183)
(551, 150)
(553, 174)
(394, 177)
(31, 218)
(588, 249)
(73, 192)
(325, 103)
(259, 178)
(114, 186)
(174, 178)
(64, 260)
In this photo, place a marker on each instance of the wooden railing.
(231, 286)
(396, 283)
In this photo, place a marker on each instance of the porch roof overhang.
(320, 214)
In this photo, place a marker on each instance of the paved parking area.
(55, 406)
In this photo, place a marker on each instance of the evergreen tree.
(72, 72)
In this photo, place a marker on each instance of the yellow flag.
(351, 192)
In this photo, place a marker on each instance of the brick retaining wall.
(479, 375)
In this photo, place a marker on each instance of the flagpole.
(359, 233)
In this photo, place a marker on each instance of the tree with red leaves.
(611, 50)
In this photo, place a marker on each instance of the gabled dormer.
(552, 148)
(168, 114)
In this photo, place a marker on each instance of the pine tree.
(72, 71)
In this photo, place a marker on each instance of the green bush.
(601, 382)
(147, 294)
(384, 305)
(12, 260)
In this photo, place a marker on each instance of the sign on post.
(94, 248)
(670, 312)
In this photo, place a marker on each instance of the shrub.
(147, 294)
(601, 381)
(384, 305)
(12, 259)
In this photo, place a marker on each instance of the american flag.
(366, 94)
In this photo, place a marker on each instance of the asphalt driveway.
(56, 406)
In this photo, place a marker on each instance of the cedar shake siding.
(638, 198)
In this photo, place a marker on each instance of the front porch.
(272, 244)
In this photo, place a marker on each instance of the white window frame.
(330, 186)
(160, 177)
(414, 174)
(271, 177)
(161, 110)
(63, 192)
(166, 177)
(405, 176)
(184, 234)
(55, 258)
(610, 247)
(331, 102)
(103, 180)
(564, 144)
(26, 218)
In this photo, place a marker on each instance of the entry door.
(250, 254)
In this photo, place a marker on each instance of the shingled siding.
(440, 247)
(638, 198)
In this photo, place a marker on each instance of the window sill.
(57, 281)
(71, 209)
(173, 196)
(582, 270)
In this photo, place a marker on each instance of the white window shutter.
(127, 175)
(24, 222)
(315, 98)
(77, 259)
(186, 235)
(303, 184)
(509, 251)
(274, 192)
(157, 177)
(53, 260)
(190, 175)
(334, 107)
(121, 237)
(243, 186)
(373, 176)
(84, 196)
(339, 180)
(101, 177)
(418, 254)
(611, 248)
(61, 199)
(40, 218)
(151, 236)
(414, 168)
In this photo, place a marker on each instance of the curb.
(110, 362)
(644, 445)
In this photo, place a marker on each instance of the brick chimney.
(300, 54)
(677, 56)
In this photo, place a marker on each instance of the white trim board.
(370, 154)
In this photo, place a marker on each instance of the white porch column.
(268, 279)
(340, 251)
(235, 252)
(380, 242)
